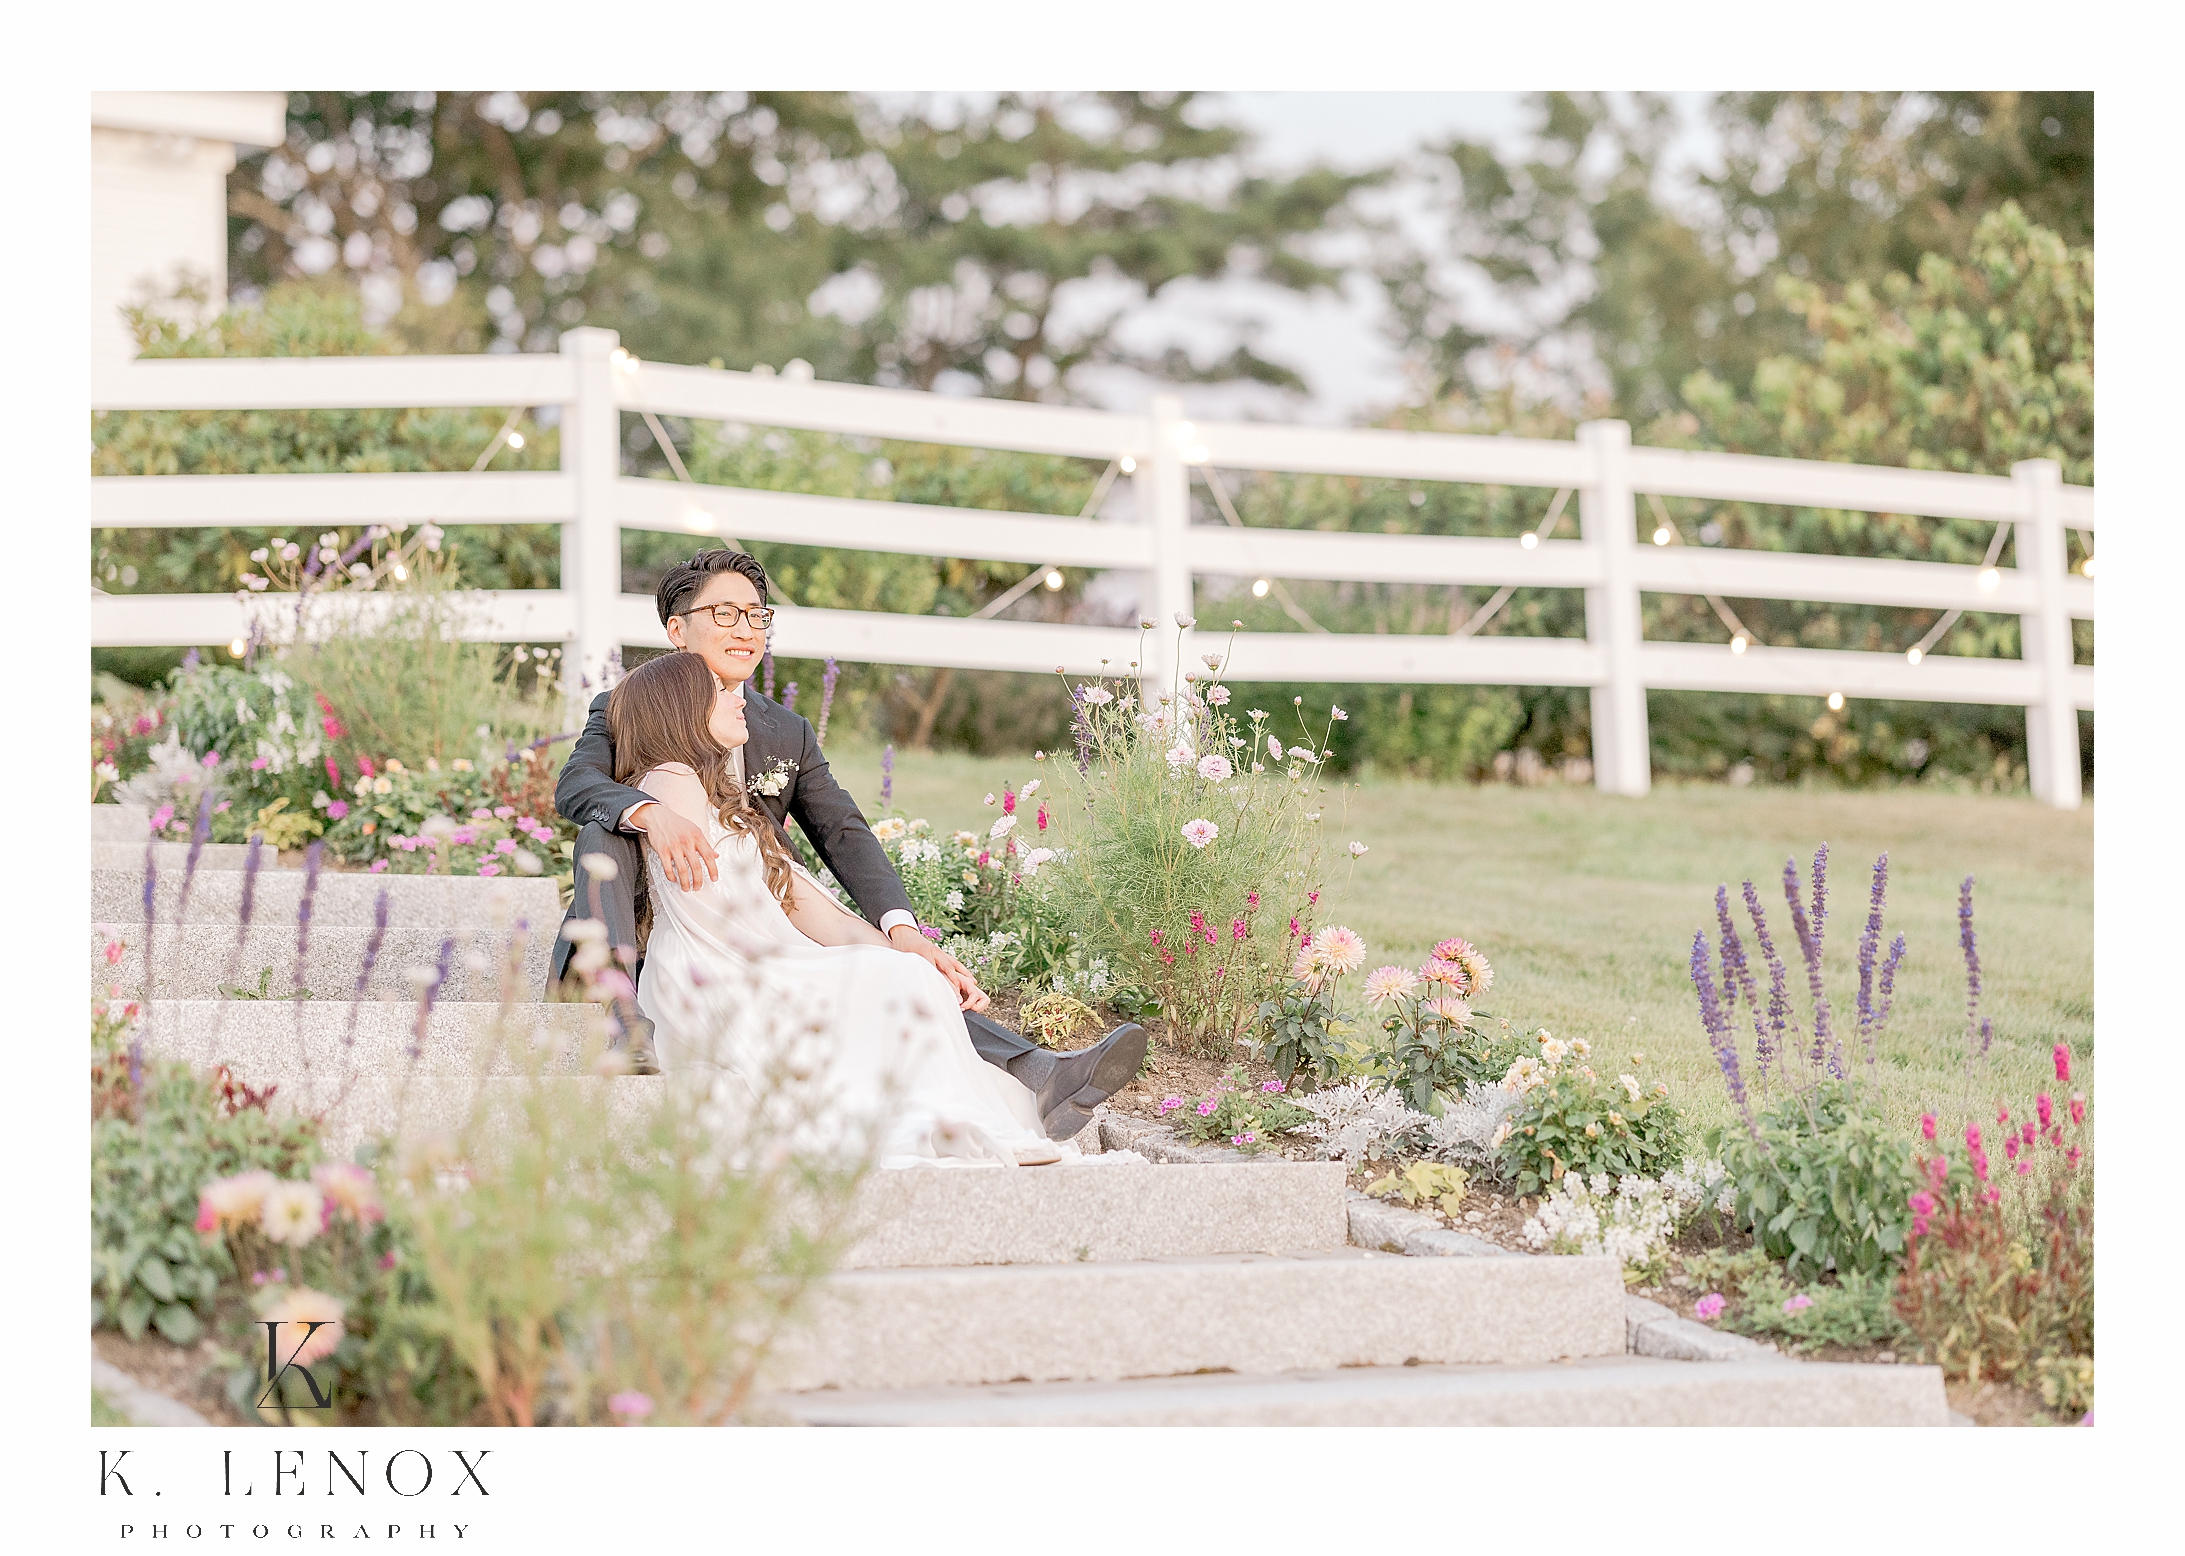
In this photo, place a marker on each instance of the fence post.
(1608, 518)
(1162, 486)
(2052, 725)
(591, 543)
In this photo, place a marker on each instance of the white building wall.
(159, 199)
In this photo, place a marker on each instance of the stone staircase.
(1189, 1287)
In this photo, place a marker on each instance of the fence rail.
(594, 382)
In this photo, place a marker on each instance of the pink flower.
(481, 814)
(631, 1404)
(2063, 1064)
(2010, 1148)
(526, 823)
(378, 865)
(1972, 1138)
(1992, 1196)
(463, 837)
(1251, 901)
(1798, 1303)
(364, 766)
(1154, 935)
(387, 1260)
(161, 817)
(2024, 1168)
(2044, 1109)
(1247, 1138)
(1207, 1107)
(1168, 1104)
(2002, 1115)
(1043, 818)
(1008, 801)
(1923, 1203)
(489, 869)
(1272, 1086)
(1452, 949)
(2072, 1156)
(1709, 1307)
(336, 809)
(506, 845)
(333, 772)
(2078, 1109)
(212, 759)
(258, 764)
(1927, 1126)
(113, 953)
(504, 811)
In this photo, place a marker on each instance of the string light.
(2087, 567)
(515, 440)
(698, 521)
(1054, 579)
(1661, 536)
(236, 648)
(1913, 656)
(1197, 456)
(1260, 586)
(1528, 540)
(401, 572)
(1737, 644)
(1989, 579)
(1129, 464)
(1836, 702)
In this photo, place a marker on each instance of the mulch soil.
(189, 1373)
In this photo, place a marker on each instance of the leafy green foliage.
(1237, 1113)
(1424, 1183)
(159, 1133)
(1575, 1120)
(1825, 1185)
(1856, 1309)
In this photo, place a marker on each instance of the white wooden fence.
(593, 381)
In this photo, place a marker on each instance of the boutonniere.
(775, 779)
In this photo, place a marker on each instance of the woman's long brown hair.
(661, 712)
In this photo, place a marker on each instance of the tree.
(880, 245)
(1624, 287)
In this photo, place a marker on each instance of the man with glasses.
(715, 606)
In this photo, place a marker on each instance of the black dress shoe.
(1082, 1081)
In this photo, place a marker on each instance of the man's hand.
(680, 843)
(907, 940)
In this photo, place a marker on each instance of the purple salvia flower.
(1888, 986)
(1820, 894)
(887, 773)
(789, 698)
(1869, 947)
(429, 994)
(1737, 977)
(1969, 941)
(251, 861)
(191, 660)
(200, 830)
(1717, 1022)
(766, 664)
(830, 672)
(311, 858)
(1771, 1042)
(364, 977)
(1824, 1051)
(151, 891)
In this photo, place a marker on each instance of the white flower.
(988, 800)
(1274, 748)
(1200, 832)
(1031, 788)
(1033, 860)
(1312, 815)
(967, 839)
(1218, 696)
(955, 901)
(888, 828)
(1184, 619)
(1002, 827)
(290, 1213)
(1179, 755)
(1357, 849)
(1211, 661)
(1630, 1084)
(1337, 713)
(1097, 695)
(1214, 769)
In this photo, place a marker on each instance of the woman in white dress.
(761, 972)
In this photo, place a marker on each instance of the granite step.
(1244, 1313)
(120, 824)
(1100, 1213)
(194, 961)
(264, 1040)
(174, 858)
(342, 898)
(357, 1108)
(1592, 1391)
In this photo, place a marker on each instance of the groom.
(714, 606)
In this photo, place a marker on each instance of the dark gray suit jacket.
(587, 794)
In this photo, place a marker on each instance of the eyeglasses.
(724, 616)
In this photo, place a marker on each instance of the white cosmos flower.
(1200, 832)
(1097, 695)
(1214, 768)
(1179, 755)
(1356, 849)
(1274, 748)
(1031, 788)
(1001, 828)
(1218, 696)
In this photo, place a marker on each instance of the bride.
(762, 960)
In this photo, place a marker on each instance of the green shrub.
(159, 1133)
(1192, 846)
(1824, 1186)
(1855, 1310)
(1573, 1119)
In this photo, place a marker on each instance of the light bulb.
(1129, 464)
(1528, 540)
(1737, 644)
(2087, 567)
(1197, 456)
(1989, 579)
(1054, 579)
(236, 648)
(1260, 586)
(1914, 656)
(1661, 536)
(698, 521)
(515, 440)
(401, 572)
(1835, 702)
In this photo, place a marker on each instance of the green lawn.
(1586, 905)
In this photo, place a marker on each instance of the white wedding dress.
(740, 999)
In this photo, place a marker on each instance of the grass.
(1586, 904)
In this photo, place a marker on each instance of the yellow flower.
(971, 877)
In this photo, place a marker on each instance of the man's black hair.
(685, 581)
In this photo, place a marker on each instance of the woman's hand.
(908, 940)
(680, 842)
